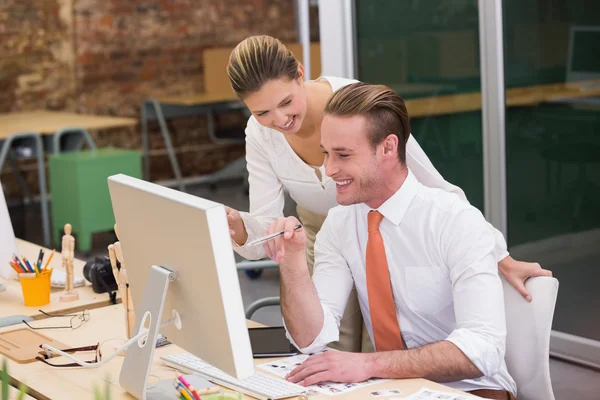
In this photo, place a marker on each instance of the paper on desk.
(285, 365)
(429, 394)
(8, 244)
(59, 279)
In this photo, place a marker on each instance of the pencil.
(189, 387)
(212, 390)
(20, 263)
(31, 269)
(49, 258)
(15, 267)
(183, 392)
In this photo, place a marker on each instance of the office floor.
(570, 382)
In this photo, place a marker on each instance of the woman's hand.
(517, 272)
(237, 229)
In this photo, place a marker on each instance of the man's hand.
(290, 245)
(335, 366)
(237, 229)
(517, 272)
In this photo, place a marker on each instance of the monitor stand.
(138, 360)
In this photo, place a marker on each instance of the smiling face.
(350, 160)
(279, 104)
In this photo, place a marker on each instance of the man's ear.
(390, 145)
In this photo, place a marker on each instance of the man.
(422, 262)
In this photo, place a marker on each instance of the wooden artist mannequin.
(115, 254)
(68, 256)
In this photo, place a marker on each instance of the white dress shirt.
(273, 165)
(445, 283)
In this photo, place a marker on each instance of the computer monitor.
(8, 244)
(584, 47)
(168, 234)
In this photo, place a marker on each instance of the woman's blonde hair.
(257, 60)
(383, 108)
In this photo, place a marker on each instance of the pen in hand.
(269, 237)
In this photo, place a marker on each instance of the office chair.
(528, 327)
(71, 139)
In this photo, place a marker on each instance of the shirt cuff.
(484, 354)
(254, 229)
(329, 333)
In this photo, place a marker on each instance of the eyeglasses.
(75, 322)
(47, 354)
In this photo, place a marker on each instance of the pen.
(269, 237)
(38, 264)
(189, 387)
(49, 258)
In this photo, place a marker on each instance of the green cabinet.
(80, 192)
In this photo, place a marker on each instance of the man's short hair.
(383, 108)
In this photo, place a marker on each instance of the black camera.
(99, 273)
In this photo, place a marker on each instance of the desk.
(11, 300)
(25, 128)
(185, 106)
(48, 122)
(515, 97)
(13, 393)
(56, 383)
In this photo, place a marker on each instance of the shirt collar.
(395, 207)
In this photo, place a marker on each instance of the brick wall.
(36, 55)
(106, 56)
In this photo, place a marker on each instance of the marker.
(38, 264)
(269, 237)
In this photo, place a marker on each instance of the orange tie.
(386, 330)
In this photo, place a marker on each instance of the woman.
(283, 152)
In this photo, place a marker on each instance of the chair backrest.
(528, 327)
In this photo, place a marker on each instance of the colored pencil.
(49, 258)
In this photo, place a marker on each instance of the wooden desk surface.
(48, 122)
(199, 99)
(77, 383)
(439, 105)
(11, 300)
(522, 96)
(13, 393)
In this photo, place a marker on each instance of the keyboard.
(259, 385)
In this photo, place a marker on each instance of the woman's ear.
(301, 72)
